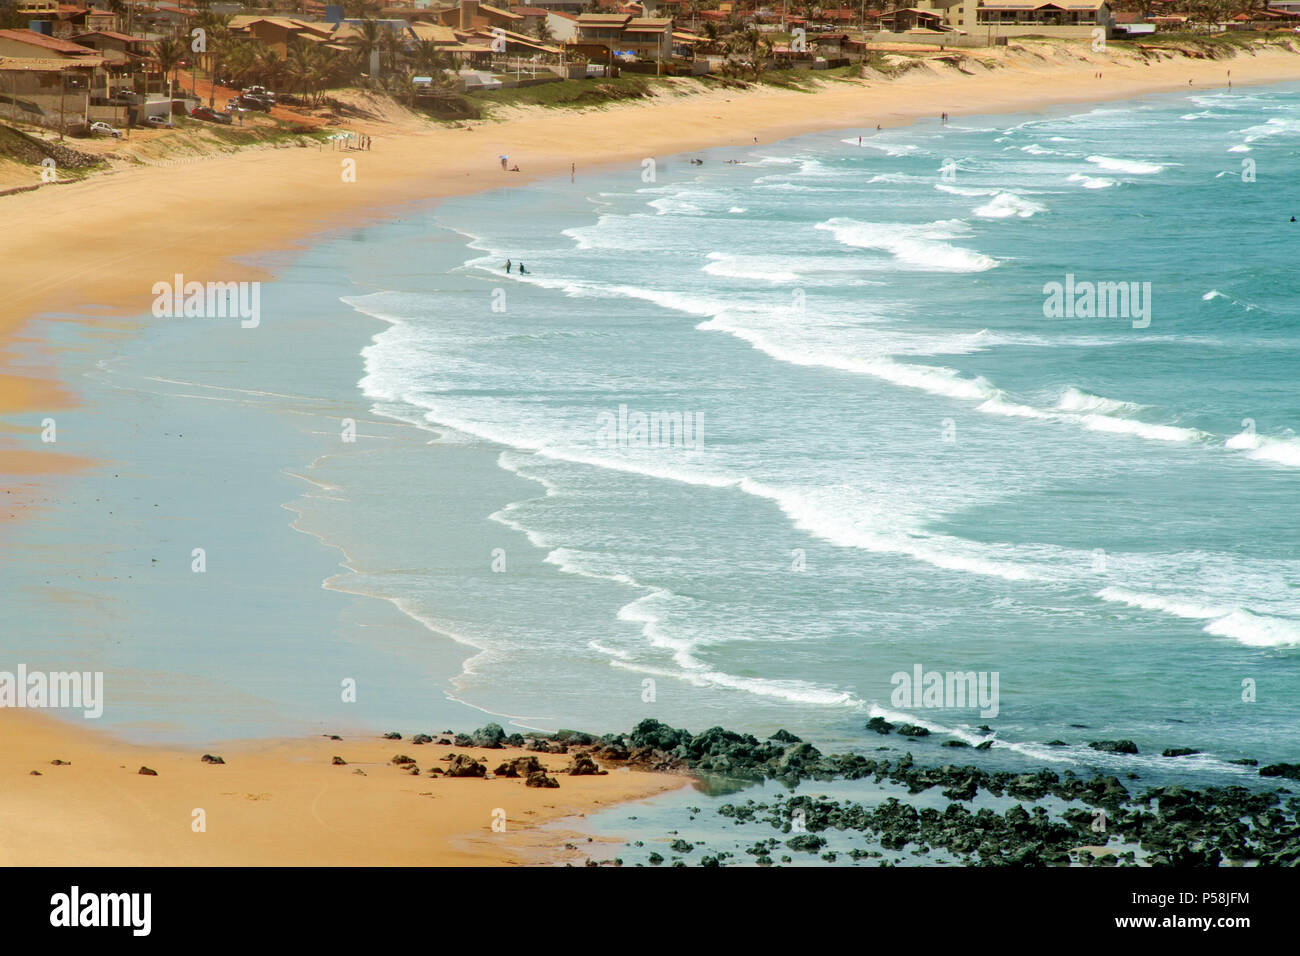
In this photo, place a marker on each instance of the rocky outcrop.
(1114, 746)
(461, 765)
(584, 766)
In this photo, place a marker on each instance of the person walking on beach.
(508, 266)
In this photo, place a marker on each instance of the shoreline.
(207, 242)
(202, 218)
(357, 801)
(282, 802)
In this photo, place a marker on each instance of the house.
(1066, 18)
(905, 19)
(650, 38)
(279, 33)
(117, 48)
(50, 91)
(1002, 18)
(30, 44)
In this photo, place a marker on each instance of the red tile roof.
(49, 43)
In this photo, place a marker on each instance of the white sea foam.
(1090, 182)
(1133, 167)
(913, 246)
(765, 268)
(1245, 627)
(1006, 204)
(1077, 400)
(1278, 451)
(965, 190)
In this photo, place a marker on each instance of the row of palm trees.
(308, 69)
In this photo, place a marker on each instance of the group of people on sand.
(522, 270)
(504, 165)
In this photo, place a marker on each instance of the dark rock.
(464, 766)
(400, 759)
(879, 725)
(519, 767)
(540, 779)
(584, 766)
(146, 772)
(576, 738)
(912, 730)
(1114, 746)
(338, 762)
(954, 743)
(984, 745)
(212, 758)
(392, 735)
(60, 763)
(657, 736)
(785, 737)
(491, 736)
(1289, 770)
(1178, 752)
(1057, 743)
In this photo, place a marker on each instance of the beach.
(280, 803)
(91, 253)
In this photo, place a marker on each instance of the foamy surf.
(1007, 204)
(920, 247)
(1132, 167)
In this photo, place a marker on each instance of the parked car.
(255, 103)
(211, 115)
(106, 129)
(159, 121)
(260, 91)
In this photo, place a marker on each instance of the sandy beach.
(105, 241)
(279, 802)
(91, 252)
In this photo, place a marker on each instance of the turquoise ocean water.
(895, 457)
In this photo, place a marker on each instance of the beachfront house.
(993, 19)
(29, 43)
(50, 91)
(648, 38)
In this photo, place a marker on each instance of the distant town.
(90, 71)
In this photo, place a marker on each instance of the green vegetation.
(576, 94)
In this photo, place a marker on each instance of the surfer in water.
(522, 270)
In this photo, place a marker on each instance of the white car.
(105, 128)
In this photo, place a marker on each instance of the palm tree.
(168, 52)
(753, 46)
(543, 32)
(269, 66)
(391, 48)
(369, 41)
